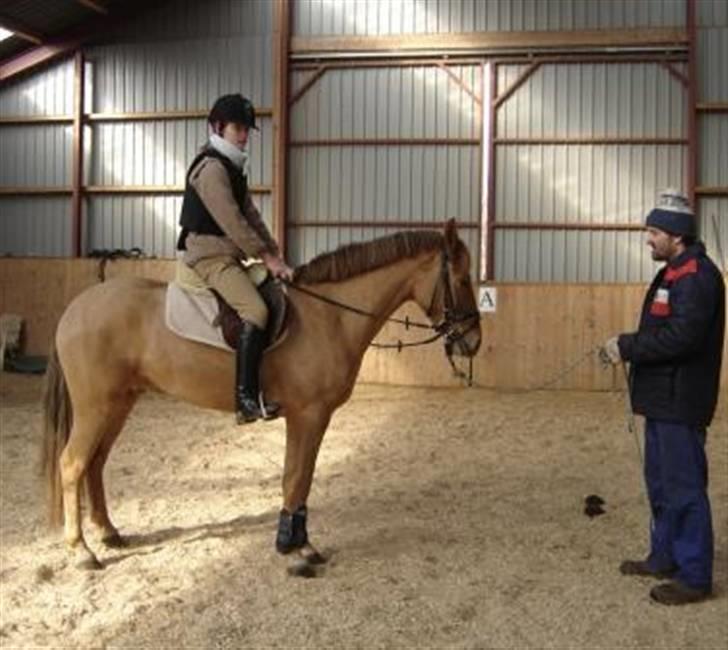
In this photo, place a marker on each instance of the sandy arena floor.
(452, 517)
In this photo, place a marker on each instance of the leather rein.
(444, 329)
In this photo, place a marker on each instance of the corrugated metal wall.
(714, 229)
(182, 55)
(713, 127)
(47, 92)
(417, 184)
(199, 52)
(35, 226)
(36, 155)
(380, 17)
(592, 184)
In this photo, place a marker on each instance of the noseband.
(451, 316)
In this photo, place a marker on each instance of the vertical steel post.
(488, 128)
(692, 170)
(281, 32)
(77, 156)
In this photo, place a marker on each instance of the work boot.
(249, 404)
(641, 568)
(676, 593)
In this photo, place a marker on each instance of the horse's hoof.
(301, 569)
(90, 564)
(114, 541)
(313, 557)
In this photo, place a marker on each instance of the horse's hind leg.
(98, 510)
(90, 423)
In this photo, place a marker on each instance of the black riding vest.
(195, 217)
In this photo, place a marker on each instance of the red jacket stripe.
(691, 266)
(660, 309)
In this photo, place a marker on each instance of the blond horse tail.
(57, 419)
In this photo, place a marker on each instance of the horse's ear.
(451, 236)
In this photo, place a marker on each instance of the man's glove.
(609, 352)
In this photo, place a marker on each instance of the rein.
(443, 329)
(440, 329)
(356, 310)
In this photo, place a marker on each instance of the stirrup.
(269, 410)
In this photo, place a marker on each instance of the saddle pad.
(191, 315)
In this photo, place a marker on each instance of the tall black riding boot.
(248, 401)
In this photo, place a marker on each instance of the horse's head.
(453, 307)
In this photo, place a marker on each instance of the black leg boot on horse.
(293, 536)
(249, 403)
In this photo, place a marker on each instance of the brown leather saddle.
(276, 300)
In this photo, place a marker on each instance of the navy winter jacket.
(676, 353)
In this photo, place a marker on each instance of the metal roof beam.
(21, 30)
(69, 41)
(328, 47)
(94, 5)
(30, 59)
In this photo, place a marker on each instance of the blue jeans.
(676, 472)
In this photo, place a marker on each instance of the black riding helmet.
(233, 108)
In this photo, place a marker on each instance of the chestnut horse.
(112, 344)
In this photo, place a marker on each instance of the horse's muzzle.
(466, 349)
(467, 342)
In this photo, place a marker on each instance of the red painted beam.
(21, 30)
(32, 58)
(67, 43)
(692, 112)
(94, 6)
(282, 42)
(489, 173)
(77, 157)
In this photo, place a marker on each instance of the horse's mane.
(354, 259)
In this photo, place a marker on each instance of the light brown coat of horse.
(112, 344)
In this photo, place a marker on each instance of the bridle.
(452, 316)
(446, 329)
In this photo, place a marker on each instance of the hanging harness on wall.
(105, 255)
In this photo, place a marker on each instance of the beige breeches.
(226, 276)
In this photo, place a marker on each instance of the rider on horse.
(221, 227)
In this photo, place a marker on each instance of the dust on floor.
(451, 517)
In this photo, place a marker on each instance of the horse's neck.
(378, 292)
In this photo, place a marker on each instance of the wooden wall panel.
(40, 289)
(536, 334)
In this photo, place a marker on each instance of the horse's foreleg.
(98, 510)
(304, 432)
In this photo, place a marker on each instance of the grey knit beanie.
(673, 214)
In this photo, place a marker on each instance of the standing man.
(675, 360)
